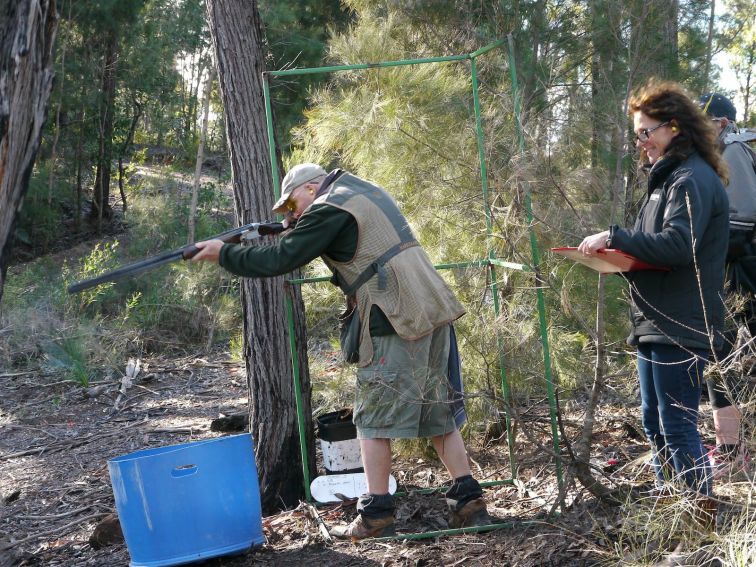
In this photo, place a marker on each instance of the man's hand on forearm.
(209, 251)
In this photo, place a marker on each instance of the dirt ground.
(58, 436)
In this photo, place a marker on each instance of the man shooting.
(404, 310)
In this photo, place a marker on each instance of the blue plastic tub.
(188, 502)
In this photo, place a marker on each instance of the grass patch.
(180, 306)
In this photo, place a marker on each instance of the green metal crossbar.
(452, 266)
(491, 262)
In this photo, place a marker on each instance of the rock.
(12, 497)
(107, 532)
(95, 391)
(236, 422)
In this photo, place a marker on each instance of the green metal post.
(494, 287)
(289, 305)
(298, 396)
(535, 254)
(271, 137)
(491, 261)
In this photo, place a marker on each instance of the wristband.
(608, 241)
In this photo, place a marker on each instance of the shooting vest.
(389, 268)
(741, 191)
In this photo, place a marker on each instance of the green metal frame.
(491, 262)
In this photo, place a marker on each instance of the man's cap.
(297, 175)
(718, 106)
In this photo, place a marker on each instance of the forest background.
(126, 125)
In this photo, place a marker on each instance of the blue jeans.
(671, 378)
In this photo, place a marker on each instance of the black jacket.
(667, 305)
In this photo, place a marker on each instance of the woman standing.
(677, 315)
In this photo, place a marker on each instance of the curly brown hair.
(669, 102)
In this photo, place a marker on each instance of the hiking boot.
(363, 528)
(471, 514)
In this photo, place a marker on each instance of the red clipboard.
(607, 260)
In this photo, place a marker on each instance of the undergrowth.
(180, 306)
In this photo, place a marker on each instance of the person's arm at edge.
(672, 247)
(309, 239)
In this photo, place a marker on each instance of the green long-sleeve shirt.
(323, 229)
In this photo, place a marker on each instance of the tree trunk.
(56, 129)
(583, 445)
(236, 31)
(79, 158)
(746, 79)
(101, 201)
(607, 73)
(124, 150)
(654, 39)
(27, 32)
(200, 151)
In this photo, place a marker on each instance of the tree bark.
(27, 32)
(237, 37)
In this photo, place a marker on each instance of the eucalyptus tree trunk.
(583, 444)
(237, 36)
(27, 32)
(53, 156)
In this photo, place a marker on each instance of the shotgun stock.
(246, 232)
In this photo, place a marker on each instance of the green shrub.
(236, 347)
(69, 355)
(102, 258)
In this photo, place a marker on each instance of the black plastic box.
(336, 426)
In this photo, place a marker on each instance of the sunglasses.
(645, 133)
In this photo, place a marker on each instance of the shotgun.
(243, 233)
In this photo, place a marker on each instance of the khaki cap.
(297, 175)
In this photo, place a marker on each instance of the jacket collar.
(661, 170)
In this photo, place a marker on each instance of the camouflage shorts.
(405, 392)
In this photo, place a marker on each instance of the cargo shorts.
(405, 392)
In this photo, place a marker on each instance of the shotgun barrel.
(246, 232)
